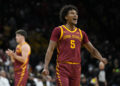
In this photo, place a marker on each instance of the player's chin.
(74, 23)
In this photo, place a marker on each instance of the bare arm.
(94, 52)
(12, 59)
(9, 53)
(48, 56)
(49, 52)
(25, 53)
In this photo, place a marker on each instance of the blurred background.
(100, 19)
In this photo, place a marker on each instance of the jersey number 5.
(72, 44)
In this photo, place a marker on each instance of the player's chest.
(67, 36)
(18, 50)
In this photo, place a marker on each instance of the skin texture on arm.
(9, 53)
(94, 52)
(25, 52)
(12, 59)
(48, 56)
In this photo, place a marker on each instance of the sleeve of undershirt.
(55, 34)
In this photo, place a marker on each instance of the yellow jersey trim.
(21, 76)
(28, 45)
(68, 62)
(61, 32)
(81, 34)
(58, 74)
(70, 30)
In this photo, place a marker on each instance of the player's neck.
(22, 42)
(70, 26)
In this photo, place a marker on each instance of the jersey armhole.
(61, 32)
(81, 34)
(19, 47)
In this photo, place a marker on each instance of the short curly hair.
(64, 11)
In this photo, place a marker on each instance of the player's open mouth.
(74, 18)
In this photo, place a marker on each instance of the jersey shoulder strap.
(61, 35)
(81, 35)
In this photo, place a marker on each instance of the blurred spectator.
(92, 76)
(94, 82)
(84, 81)
(38, 80)
(7, 64)
(12, 43)
(2, 55)
(48, 80)
(3, 80)
(102, 75)
(116, 73)
(11, 78)
(39, 67)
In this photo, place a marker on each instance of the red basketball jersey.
(17, 64)
(69, 43)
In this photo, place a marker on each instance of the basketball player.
(68, 39)
(20, 58)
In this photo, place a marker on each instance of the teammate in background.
(20, 58)
(68, 39)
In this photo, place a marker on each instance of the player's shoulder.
(18, 46)
(81, 30)
(57, 29)
(26, 45)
